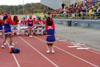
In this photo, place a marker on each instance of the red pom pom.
(15, 33)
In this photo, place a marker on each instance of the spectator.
(90, 11)
(91, 6)
(83, 12)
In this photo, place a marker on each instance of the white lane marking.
(73, 46)
(96, 51)
(14, 57)
(78, 44)
(82, 48)
(39, 52)
(63, 40)
(71, 54)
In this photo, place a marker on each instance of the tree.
(29, 8)
(27, 12)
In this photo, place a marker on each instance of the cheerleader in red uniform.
(35, 27)
(34, 20)
(40, 27)
(50, 29)
(23, 22)
(30, 25)
(1, 28)
(15, 26)
(15, 19)
(7, 22)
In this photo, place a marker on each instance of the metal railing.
(81, 15)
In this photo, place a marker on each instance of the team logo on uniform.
(30, 21)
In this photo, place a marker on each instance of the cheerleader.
(35, 26)
(23, 22)
(15, 26)
(34, 19)
(1, 28)
(50, 29)
(15, 19)
(30, 25)
(40, 27)
(7, 30)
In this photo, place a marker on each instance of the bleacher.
(84, 10)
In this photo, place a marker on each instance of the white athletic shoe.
(13, 44)
(2, 46)
(53, 51)
(48, 52)
(26, 34)
(30, 35)
(5, 44)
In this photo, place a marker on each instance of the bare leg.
(50, 47)
(5, 38)
(10, 35)
(4, 42)
(3, 33)
(30, 31)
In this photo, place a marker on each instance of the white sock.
(11, 46)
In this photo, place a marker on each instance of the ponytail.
(5, 16)
(49, 21)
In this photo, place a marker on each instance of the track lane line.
(39, 52)
(14, 57)
(28, 55)
(63, 57)
(70, 54)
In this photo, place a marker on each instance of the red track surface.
(33, 54)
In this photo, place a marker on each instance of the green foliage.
(28, 8)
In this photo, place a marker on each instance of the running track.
(33, 54)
